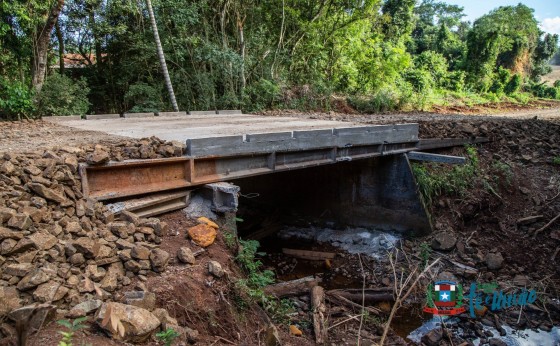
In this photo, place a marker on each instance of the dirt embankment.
(517, 177)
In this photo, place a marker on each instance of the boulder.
(33, 316)
(444, 241)
(215, 269)
(18, 269)
(98, 157)
(50, 292)
(6, 233)
(130, 217)
(494, 261)
(48, 193)
(111, 279)
(159, 259)
(43, 240)
(33, 279)
(20, 221)
(87, 246)
(202, 235)
(9, 300)
(185, 255)
(140, 252)
(138, 323)
(141, 299)
(6, 214)
(84, 308)
(164, 318)
(433, 337)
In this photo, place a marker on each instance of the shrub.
(454, 81)
(421, 80)
(382, 101)
(61, 95)
(434, 63)
(557, 83)
(544, 91)
(501, 79)
(513, 85)
(142, 97)
(263, 94)
(16, 100)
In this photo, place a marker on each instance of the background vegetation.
(378, 55)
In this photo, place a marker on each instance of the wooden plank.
(419, 156)
(147, 201)
(162, 209)
(309, 255)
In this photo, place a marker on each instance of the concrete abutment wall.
(375, 193)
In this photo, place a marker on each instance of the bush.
(557, 83)
(61, 95)
(513, 85)
(263, 94)
(434, 63)
(16, 100)
(382, 101)
(544, 91)
(420, 80)
(501, 79)
(142, 97)
(454, 81)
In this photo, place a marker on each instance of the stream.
(410, 322)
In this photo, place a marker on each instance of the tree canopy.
(254, 54)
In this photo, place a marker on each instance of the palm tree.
(162, 58)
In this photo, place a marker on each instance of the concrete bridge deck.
(183, 127)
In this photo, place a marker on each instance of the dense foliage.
(379, 54)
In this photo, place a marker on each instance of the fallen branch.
(546, 226)
(338, 300)
(319, 308)
(292, 288)
(344, 321)
(368, 297)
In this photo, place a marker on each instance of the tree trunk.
(162, 58)
(60, 38)
(242, 49)
(41, 47)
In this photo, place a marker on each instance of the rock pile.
(56, 245)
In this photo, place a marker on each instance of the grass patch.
(252, 286)
(434, 179)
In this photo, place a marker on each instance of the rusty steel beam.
(117, 180)
(131, 178)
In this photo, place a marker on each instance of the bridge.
(364, 170)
